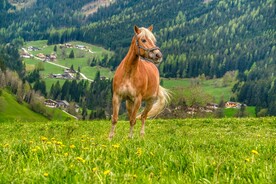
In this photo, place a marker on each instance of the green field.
(172, 151)
(12, 111)
(207, 89)
(80, 60)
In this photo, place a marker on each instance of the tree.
(55, 48)
(71, 55)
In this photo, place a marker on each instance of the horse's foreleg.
(116, 107)
(132, 119)
(144, 114)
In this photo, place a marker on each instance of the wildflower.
(44, 139)
(72, 146)
(66, 154)
(80, 159)
(34, 150)
(139, 151)
(94, 169)
(255, 152)
(46, 174)
(106, 172)
(116, 145)
(59, 143)
(247, 160)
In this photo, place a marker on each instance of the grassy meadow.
(12, 111)
(172, 151)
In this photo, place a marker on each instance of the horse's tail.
(163, 99)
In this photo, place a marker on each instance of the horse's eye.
(144, 41)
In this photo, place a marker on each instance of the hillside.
(11, 110)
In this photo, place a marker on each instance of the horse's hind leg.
(116, 106)
(144, 114)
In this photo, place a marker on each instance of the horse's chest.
(127, 90)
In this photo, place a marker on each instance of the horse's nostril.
(159, 55)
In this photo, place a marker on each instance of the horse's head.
(145, 42)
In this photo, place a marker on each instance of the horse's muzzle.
(156, 56)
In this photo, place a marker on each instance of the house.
(50, 103)
(69, 70)
(31, 48)
(212, 106)
(82, 47)
(68, 45)
(41, 56)
(63, 104)
(53, 57)
(232, 105)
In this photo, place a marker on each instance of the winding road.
(61, 66)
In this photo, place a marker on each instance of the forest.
(196, 37)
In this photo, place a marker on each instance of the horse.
(137, 79)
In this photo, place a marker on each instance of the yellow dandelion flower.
(107, 172)
(94, 169)
(34, 150)
(44, 139)
(59, 143)
(66, 154)
(247, 160)
(116, 145)
(139, 152)
(255, 152)
(80, 159)
(46, 174)
(72, 146)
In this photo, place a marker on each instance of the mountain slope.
(11, 110)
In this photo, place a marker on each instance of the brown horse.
(137, 79)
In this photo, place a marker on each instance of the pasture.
(172, 151)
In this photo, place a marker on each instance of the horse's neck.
(131, 60)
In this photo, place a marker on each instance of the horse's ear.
(136, 30)
(150, 28)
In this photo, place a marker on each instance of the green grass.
(11, 110)
(210, 88)
(231, 112)
(172, 151)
